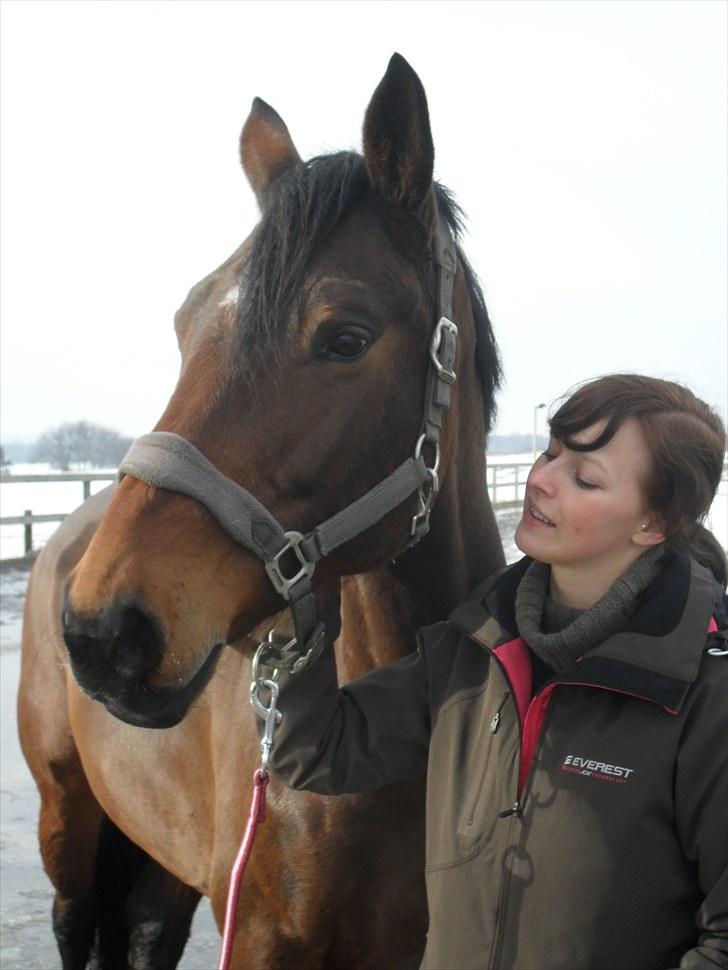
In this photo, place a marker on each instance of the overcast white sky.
(585, 140)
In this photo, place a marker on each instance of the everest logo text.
(599, 770)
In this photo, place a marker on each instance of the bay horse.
(304, 363)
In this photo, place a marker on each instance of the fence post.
(28, 531)
(86, 489)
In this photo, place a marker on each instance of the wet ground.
(26, 939)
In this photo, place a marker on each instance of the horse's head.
(304, 365)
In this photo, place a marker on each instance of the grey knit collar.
(559, 635)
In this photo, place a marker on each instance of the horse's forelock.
(305, 207)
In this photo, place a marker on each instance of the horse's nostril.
(137, 645)
(120, 642)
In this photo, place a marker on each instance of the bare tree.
(81, 443)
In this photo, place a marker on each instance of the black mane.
(306, 205)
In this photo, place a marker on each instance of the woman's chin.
(521, 539)
(528, 542)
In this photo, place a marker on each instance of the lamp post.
(536, 409)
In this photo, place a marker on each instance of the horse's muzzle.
(114, 651)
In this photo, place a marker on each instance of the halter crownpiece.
(171, 462)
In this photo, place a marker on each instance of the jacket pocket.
(467, 775)
(471, 812)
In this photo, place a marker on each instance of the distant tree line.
(84, 443)
(514, 444)
(81, 443)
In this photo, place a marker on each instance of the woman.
(570, 717)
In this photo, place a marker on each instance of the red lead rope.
(256, 815)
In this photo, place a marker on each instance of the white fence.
(39, 501)
(28, 528)
(507, 482)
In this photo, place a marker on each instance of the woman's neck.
(581, 585)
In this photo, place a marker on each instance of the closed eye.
(581, 482)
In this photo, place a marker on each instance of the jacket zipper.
(513, 814)
(494, 961)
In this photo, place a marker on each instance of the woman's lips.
(537, 517)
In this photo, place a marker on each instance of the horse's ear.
(266, 148)
(398, 145)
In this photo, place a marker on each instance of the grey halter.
(171, 462)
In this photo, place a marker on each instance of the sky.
(586, 142)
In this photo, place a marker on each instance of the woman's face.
(587, 509)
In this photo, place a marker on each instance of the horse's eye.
(346, 345)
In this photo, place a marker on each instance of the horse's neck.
(382, 610)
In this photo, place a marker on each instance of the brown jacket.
(583, 828)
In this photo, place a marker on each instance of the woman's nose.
(542, 476)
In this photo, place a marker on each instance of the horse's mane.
(305, 206)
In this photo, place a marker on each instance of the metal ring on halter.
(422, 515)
(275, 654)
(423, 440)
(449, 376)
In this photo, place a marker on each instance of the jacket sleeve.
(372, 732)
(701, 814)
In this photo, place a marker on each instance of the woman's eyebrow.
(588, 456)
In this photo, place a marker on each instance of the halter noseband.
(171, 462)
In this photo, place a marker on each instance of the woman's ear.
(651, 531)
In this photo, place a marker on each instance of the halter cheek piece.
(171, 462)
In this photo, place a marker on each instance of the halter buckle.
(284, 584)
(445, 334)
(426, 499)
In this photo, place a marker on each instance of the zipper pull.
(515, 809)
(495, 720)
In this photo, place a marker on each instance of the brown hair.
(686, 440)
